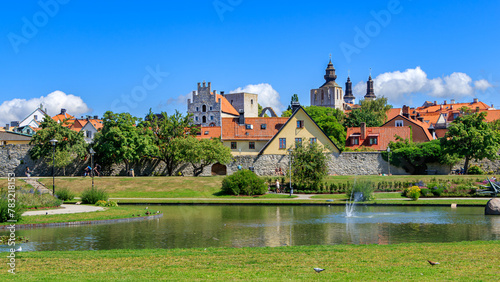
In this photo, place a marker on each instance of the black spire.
(330, 73)
(370, 93)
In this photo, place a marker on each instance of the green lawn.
(463, 261)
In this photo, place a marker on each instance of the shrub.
(244, 182)
(110, 203)
(365, 188)
(93, 195)
(437, 191)
(15, 210)
(425, 192)
(413, 192)
(33, 199)
(65, 194)
(475, 170)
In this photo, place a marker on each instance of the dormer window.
(263, 126)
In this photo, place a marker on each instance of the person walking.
(28, 172)
(97, 167)
(277, 186)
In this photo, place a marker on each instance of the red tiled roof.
(391, 113)
(231, 130)
(226, 107)
(61, 117)
(492, 115)
(423, 125)
(384, 134)
(209, 132)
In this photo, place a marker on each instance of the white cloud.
(181, 99)
(268, 97)
(18, 109)
(398, 86)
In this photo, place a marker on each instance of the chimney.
(363, 130)
(475, 100)
(81, 117)
(222, 93)
(295, 106)
(444, 102)
(441, 107)
(452, 101)
(406, 111)
(420, 119)
(435, 103)
(451, 107)
(96, 117)
(241, 119)
(7, 127)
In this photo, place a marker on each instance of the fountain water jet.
(349, 205)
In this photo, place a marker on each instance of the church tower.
(370, 93)
(349, 98)
(329, 94)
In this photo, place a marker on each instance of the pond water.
(249, 226)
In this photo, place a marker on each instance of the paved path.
(37, 185)
(66, 209)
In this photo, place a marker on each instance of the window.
(455, 115)
(233, 146)
(313, 140)
(196, 118)
(231, 102)
(36, 117)
(211, 108)
(282, 143)
(204, 119)
(300, 124)
(249, 126)
(263, 126)
(206, 132)
(298, 142)
(373, 141)
(197, 109)
(399, 123)
(355, 141)
(89, 134)
(251, 145)
(211, 117)
(204, 108)
(251, 102)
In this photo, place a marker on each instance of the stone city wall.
(15, 159)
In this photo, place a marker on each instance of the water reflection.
(241, 226)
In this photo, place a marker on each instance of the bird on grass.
(318, 270)
(20, 249)
(433, 262)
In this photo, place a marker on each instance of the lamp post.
(92, 152)
(53, 142)
(389, 160)
(291, 189)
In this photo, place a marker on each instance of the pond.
(259, 226)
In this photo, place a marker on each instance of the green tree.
(308, 165)
(70, 145)
(166, 130)
(121, 140)
(329, 120)
(371, 112)
(288, 112)
(472, 138)
(414, 157)
(203, 153)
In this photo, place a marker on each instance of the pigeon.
(433, 262)
(318, 270)
(20, 249)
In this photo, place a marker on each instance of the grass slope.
(463, 261)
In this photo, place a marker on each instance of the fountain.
(349, 205)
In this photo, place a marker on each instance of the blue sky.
(135, 55)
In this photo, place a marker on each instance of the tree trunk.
(466, 165)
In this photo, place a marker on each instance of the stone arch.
(219, 169)
(271, 112)
(212, 124)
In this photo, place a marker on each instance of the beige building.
(10, 138)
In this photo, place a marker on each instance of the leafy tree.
(166, 130)
(308, 164)
(202, 153)
(372, 112)
(471, 137)
(70, 145)
(121, 140)
(287, 113)
(328, 119)
(414, 157)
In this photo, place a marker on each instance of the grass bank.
(463, 261)
(109, 213)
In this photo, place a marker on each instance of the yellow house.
(9, 138)
(300, 127)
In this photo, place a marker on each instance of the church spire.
(348, 97)
(330, 72)
(370, 93)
